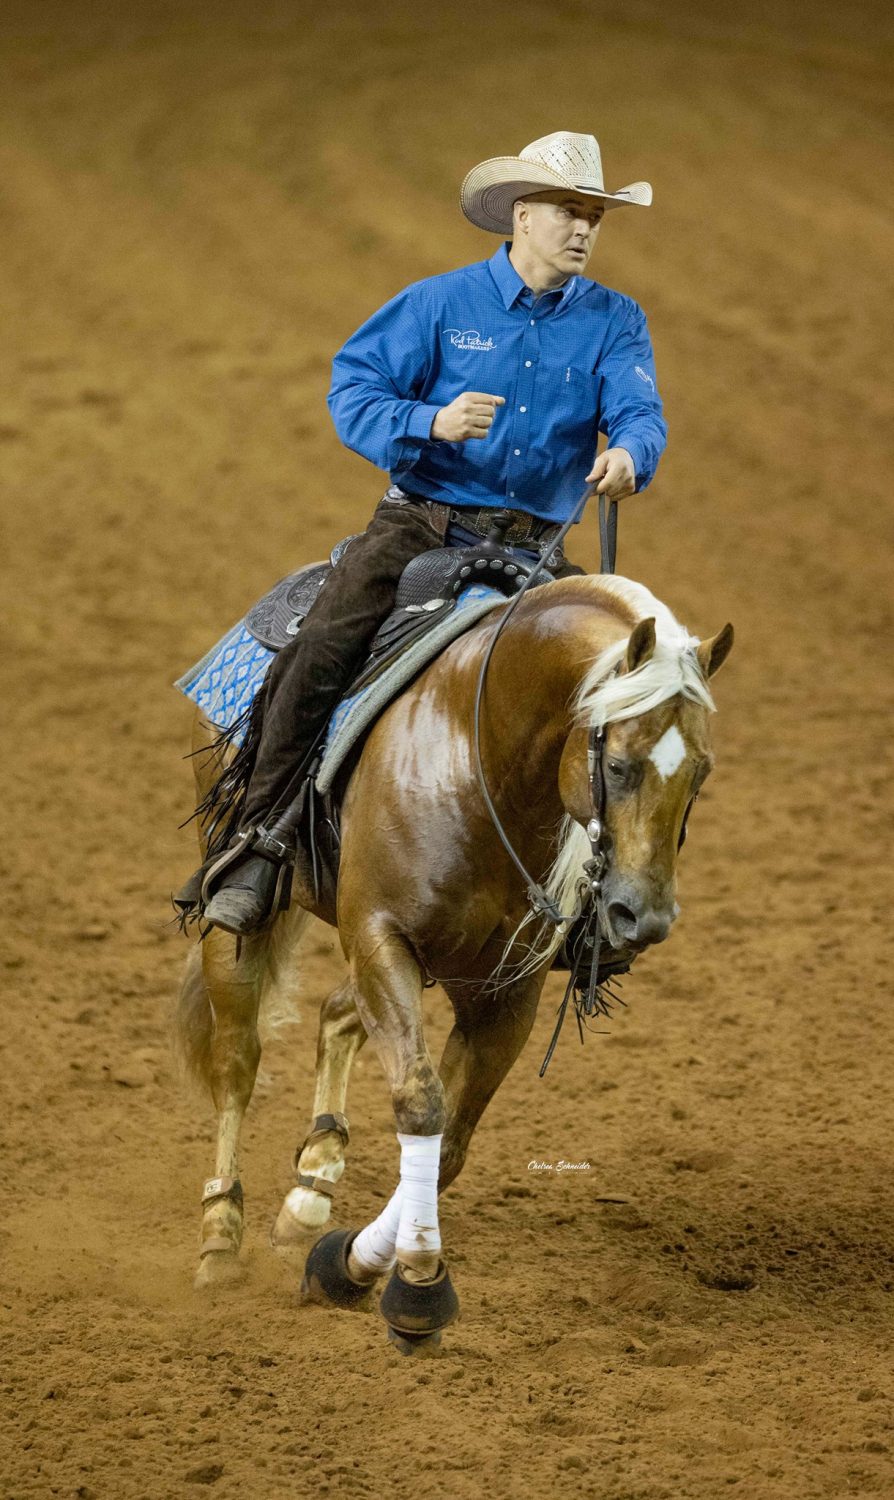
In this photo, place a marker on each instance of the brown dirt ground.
(195, 213)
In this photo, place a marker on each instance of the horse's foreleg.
(233, 987)
(321, 1159)
(389, 997)
(477, 1056)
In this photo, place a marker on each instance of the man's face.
(559, 228)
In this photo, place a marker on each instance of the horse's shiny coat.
(426, 889)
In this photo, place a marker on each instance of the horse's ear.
(713, 653)
(641, 644)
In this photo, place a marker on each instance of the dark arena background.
(199, 204)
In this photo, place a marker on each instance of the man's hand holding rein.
(615, 474)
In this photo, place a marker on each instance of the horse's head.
(653, 700)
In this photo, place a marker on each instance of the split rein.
(590, 905)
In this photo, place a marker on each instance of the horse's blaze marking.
(668, 754)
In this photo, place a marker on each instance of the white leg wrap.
(374, 1245)
(420, 1159)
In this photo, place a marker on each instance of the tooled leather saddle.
(428, 590)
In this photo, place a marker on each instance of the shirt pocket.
(575, 398)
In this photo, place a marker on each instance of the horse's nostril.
(623, 920)
(643, 927)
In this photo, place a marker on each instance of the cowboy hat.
(560, 160)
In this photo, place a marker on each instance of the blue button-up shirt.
(570, 363)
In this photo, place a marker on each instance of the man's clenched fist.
(615, 474)
(471, 415)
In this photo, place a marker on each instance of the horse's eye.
(616, 767)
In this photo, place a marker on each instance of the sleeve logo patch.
(468, 338)
(638, 369)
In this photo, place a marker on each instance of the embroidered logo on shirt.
(468, 338)
(643, 376)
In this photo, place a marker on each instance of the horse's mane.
(602, 697)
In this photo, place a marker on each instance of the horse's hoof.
(413, 1308)
(326, 1277)
(219, 1268)
(416, 1345)
(302, 1209)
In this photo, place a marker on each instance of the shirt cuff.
(421, 418)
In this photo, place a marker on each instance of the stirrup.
(237, 851)
(253, 844)
(250, 841)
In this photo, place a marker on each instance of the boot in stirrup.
(250, 882)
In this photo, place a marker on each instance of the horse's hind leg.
(488, 1037)
(322, 1156)
(217, 1020)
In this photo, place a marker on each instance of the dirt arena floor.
(196, 208)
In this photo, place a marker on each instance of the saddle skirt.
(441, 594)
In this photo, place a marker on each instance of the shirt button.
(532, 322)
(517, 452)
(523, 408)
(512, 494)
(527, 364)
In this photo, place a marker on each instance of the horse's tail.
(194, 1021)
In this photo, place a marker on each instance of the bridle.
(589, 906)
(537, 896)
(589, 917)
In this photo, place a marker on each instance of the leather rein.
(589, 904)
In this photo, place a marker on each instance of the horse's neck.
(544, 655)
(527, 714)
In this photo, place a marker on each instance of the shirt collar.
(510, 285)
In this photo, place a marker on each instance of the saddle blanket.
(224, 683)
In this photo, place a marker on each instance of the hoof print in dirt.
(728, 1281)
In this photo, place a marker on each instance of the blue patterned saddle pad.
(441, 587)
(223, 684)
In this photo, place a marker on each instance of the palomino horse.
(425, 890)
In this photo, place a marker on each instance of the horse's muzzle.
(634, 922)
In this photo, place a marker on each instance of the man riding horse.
(480, 390)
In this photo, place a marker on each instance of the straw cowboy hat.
(560, 160)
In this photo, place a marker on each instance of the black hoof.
(415, 1344)
(326, 1276)
(412, 1309)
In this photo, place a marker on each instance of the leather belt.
(479, 520)
(524, 526)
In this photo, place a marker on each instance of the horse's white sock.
(420, 1160)
(374, 1245)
